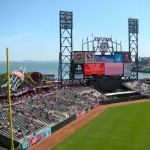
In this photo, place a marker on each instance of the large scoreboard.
(85, 64)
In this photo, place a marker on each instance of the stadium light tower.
(66, 46)
(133, 28)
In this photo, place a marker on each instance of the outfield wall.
(6, 143)
(35, 138)
(63, 123)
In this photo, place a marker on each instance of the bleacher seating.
(33, 112)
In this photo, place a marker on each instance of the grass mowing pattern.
(117, 128)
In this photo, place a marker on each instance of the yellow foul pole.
(9, 100)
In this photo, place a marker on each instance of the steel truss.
(66, 45)
(133, 28)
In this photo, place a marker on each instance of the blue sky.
(30, 28)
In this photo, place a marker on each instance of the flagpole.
(9, 100)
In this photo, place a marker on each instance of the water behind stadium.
(45, 67)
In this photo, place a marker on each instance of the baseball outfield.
(125, 127)
(117, 128)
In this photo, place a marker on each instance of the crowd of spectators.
(139, 86)
(45, 106)
(145, 80)
(39, 107)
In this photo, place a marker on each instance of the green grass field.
(117, 128)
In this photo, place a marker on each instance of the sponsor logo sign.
(80, 113)
(89, 57)
(78, 57)
(78, 71)
(78, 68)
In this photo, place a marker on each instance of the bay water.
(45, 67)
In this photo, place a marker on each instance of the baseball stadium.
(98, 101)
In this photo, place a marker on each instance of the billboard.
(94, 69)
(31, 140)
(78, 57)
(127, 57)
(113, 68)
(118, 58)
(89, 57)
(78, 71)
(124, 56)
(104, 58)
(78, 68)
(127, 69)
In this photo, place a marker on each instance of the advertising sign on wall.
(94, 69)
(33, 139)
(89, 57)
(104, 58)
(80, 113)
(127, 69)
(78, 57)
(113, 68)
(96, 104)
